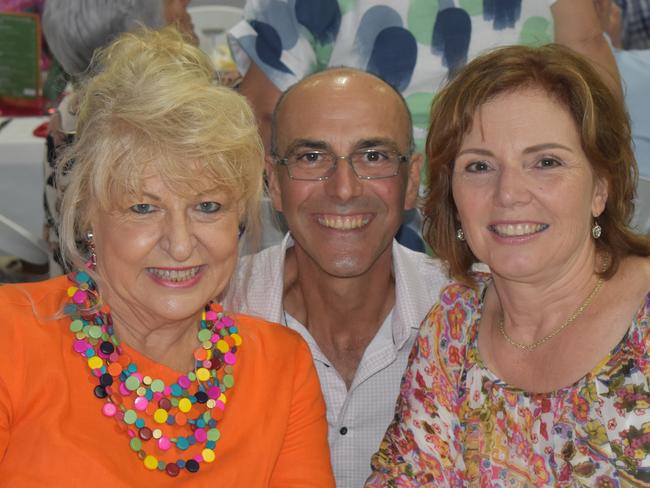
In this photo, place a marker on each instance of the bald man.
(342, 172)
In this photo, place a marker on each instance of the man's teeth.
(518, 230)
(344, 222)
(173, 274)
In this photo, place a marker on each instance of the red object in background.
(42, 130)
(25, 107)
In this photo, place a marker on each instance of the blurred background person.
(74, 29)
(629, 20)
(537, 373)
(136, 374)
(412, 45)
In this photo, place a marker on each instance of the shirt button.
(343, 430)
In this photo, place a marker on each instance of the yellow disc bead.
(203, 374)
(208, 455)
(150, 462)
(95, 362)
(222, 398)
(184, 405)
(72, 290)
(160, 416)
(223, 346)
(236, 338)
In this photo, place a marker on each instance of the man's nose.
(343, 184)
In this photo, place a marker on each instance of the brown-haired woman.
(537, 373)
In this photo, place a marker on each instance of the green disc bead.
(130, 417)
(228, 380)
(205, 335)
(157, 386)
(95, 331)
(76, 325)
(132, 383)
(213, 434)
(136, 444)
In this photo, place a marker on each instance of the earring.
(460, 235)
(596, 230)
(91, 263)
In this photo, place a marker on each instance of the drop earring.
(91, 263)
(460, 235)
(596, 230)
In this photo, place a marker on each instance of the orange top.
(53, 433)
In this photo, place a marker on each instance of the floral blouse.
(457, 424)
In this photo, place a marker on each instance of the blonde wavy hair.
(152, 103)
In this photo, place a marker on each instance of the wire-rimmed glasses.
(318, 165)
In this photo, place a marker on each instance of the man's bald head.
(340, 80)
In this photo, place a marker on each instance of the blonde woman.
(127, 372)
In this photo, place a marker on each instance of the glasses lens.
(310, 165)
(375, 163)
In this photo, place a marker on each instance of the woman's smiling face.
(525, 192)
(163, 254)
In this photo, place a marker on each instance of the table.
(21, 173)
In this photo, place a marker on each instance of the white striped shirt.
(357, 417)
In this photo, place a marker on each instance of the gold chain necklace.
(556, 331)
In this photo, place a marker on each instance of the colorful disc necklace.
(144, 407)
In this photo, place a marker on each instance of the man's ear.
(413, 181)
(274, 184)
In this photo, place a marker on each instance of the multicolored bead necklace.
(143, 406)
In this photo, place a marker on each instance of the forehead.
(342, 111)
(523, 117)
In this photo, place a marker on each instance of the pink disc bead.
(79, 297)
(109, 409)
(164, 443)
(200, 435)
(229, 358)
(140, 403)
(80, 346)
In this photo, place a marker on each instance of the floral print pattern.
(458, 425)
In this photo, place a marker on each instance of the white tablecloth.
(21, 173)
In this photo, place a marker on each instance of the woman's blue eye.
(142, 208)
(477, 167)
(209, 207)
(548, 163)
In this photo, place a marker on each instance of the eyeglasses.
(367, 164)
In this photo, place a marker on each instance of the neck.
(344, 306)
(342, 314)
(520, 303)
(170, 343)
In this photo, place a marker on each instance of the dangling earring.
(91, 263)
(460, 235)
(596, 230)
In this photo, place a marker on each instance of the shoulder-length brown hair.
(599, 115)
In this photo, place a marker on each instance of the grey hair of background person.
(73, 29)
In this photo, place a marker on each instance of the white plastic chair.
(211, 22)
(17, 241)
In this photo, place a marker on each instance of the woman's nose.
(178, 240)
